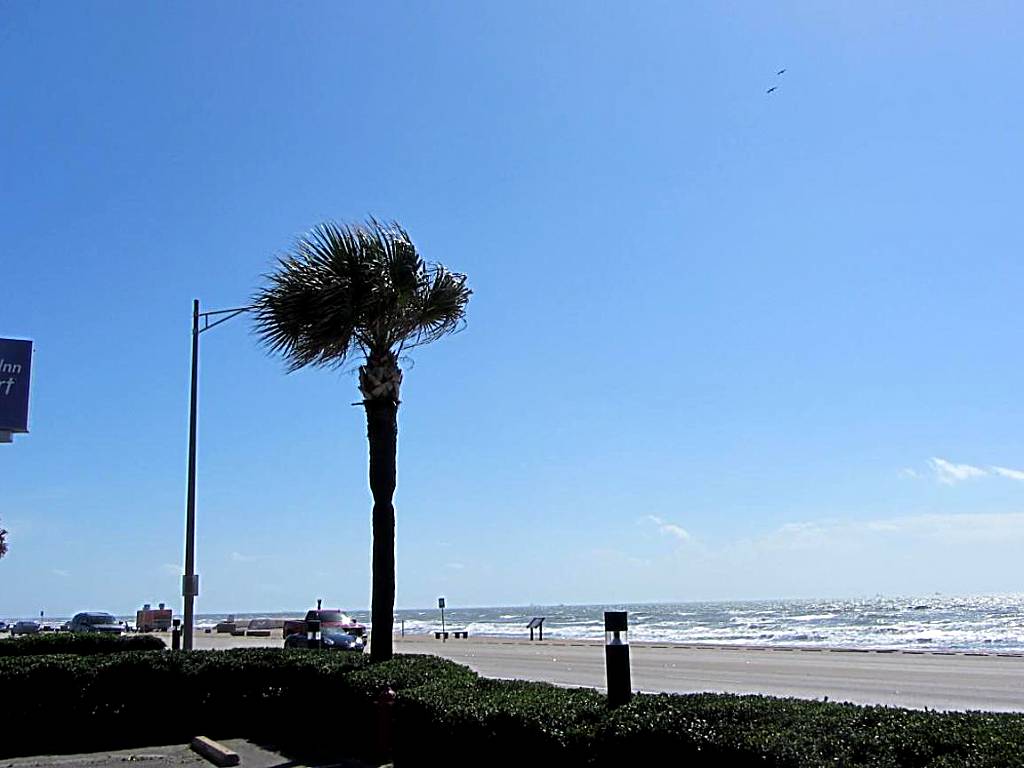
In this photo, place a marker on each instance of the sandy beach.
(948, 681)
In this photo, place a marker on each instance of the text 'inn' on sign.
(15, 371)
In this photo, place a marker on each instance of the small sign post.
(440, 604)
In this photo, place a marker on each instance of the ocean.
(992, 623)
(935, 622)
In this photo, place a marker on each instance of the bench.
(461, 633)
(440, 635)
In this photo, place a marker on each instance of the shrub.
(715, 729)
(494, 719)
(78, 644)
(282, 697)
(130, 699)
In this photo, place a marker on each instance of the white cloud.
(909, 472)
(1013, 474)
(456, 566)
(61, 573)
(676, 530)
(956, 553)
(670, 528)
(954, 528)
(949, 473)
(963, 528)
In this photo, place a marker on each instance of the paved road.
(906, 679)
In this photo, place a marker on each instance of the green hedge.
(492, 718)
(78, 644)
(133, 699)
(716, 729)
(499, 722)
(297, 699)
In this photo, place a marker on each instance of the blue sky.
(723, 344)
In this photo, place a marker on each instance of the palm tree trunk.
(382, 432)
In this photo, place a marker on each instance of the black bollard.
(176, 635)
(313, 634)
(616, 657)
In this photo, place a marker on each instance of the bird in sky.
(781, 71)
(773, 88)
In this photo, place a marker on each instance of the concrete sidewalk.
(168, 756)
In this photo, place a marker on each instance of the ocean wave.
(955, 623)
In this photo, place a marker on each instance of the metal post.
(313, 636)
(616, 657)
(188, 585)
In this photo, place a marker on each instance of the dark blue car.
(331, 639)
(104, 623)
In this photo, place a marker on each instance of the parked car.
(25, 628)
(331, 639)
(328, 618)
(335, 619)
(291, 626)
(95, 622)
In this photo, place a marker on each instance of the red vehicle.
(332, 617)
(153, 619)
(328, 618)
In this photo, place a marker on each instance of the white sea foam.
(991, 623)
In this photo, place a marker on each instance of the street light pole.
(190, 581)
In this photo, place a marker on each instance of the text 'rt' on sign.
(15, 370)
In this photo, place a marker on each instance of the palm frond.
(441, 309)
(364, 288)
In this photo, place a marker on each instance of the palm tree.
(3, 542)
(362, 291)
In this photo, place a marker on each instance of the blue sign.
(15, 367)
